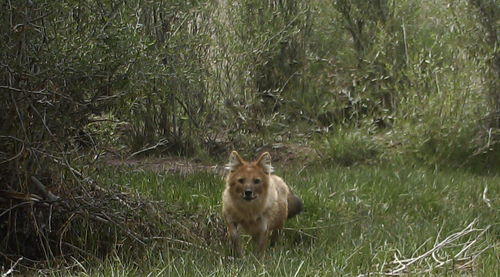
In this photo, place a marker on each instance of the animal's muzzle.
(248, 195)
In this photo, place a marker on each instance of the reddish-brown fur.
(255, 200)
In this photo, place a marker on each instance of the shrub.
(348, 146)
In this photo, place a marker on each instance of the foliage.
(168, 103)
(258, 67)
(347, 147)
(487, 13)
(357, 220)
(52, 81)
(189, 77)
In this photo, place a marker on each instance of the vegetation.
(356, 221)
(346, 89)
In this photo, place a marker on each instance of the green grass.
(356, 220)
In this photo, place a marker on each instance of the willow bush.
(258, 53)
(447, 93)
(61, 64)
(190, 77)
(168, 104)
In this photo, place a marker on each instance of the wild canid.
(256, 201)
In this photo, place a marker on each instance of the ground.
(395, 217)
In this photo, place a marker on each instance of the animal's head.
(249, 180)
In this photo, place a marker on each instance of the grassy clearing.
(357, 220)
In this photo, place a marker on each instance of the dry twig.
(11, 270)
(432, 260)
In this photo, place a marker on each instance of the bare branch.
(46, 194)
(11, 270)
(430, 259)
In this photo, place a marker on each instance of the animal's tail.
(295, 205)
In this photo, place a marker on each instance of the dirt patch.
(281, 154)
(177, 165)
(285, 153)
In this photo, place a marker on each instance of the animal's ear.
(235, 161)
(264, 161)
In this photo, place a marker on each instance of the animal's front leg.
(234, 236)
(274, 237)
(260, 238)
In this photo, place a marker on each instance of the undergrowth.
(357, 220)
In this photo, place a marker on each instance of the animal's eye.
(241, 180)
(256, 181)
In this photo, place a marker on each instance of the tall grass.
(437, 108)
(356, 220)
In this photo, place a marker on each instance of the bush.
(349, 146)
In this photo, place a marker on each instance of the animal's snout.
(248, 193)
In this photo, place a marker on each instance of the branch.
(402, 265)
(23, 90)
(160, 143)
(46, 194)
(12, 268)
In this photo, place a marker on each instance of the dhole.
(256, 201)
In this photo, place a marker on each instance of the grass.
(356, 221)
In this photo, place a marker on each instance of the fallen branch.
(162, 142)
(433, 261)
(43, 190)
(11, 270)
